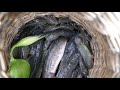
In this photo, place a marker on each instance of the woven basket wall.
(102, 26)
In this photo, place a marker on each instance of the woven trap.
(103, 29)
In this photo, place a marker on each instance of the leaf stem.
(11, 53)
(17, 45)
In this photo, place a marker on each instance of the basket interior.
(101, 50)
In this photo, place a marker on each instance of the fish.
(56, 27)
(83, 70)
(26, 31)
(41, 21)
(75, 72)
(65, 70)
(33, 54)
(69, 61)
(54, 35)
(87, 56)
(51, 19)
(83, 34)
(63, 20)
(35, 58)
(55, 23)
(79, 76)
(54, 56)
(23, 52)
(86, 39)
(47, 60)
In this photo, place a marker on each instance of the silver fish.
(33, 54)
(61, 23)
(85, 38)
(36, 58)
(55, 34)
(75, 72)
(54, 57)
(26, 31)
(79, 76)
(65, 71)
(64, 20)
(69, 61)
(52, 28)
(51, 19)
(83, 71)
(87, 56)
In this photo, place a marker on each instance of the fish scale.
(54, 56)
(69, 61)
(43, 55)
(75, 72)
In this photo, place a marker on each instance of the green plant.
(20, 68)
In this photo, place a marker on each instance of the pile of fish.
(65, 53)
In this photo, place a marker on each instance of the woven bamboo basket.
(104, 27)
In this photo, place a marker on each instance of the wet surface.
(76, 59)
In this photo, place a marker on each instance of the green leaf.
(19, 69)
(11, 53)
(25, 42)
(28, 40)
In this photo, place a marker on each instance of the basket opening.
(102, 55)
(47, 23)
